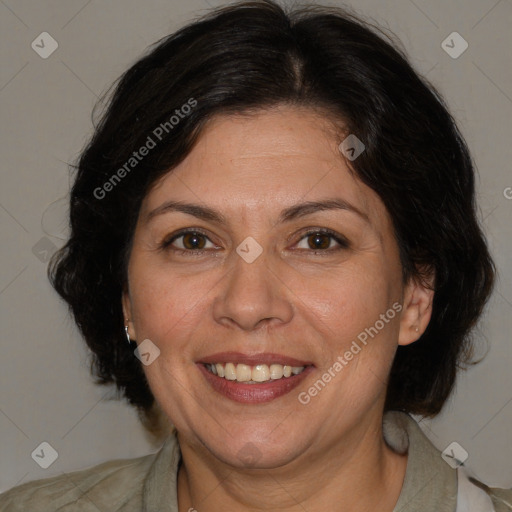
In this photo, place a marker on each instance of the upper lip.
(253, 359)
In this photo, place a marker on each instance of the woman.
(274, 242)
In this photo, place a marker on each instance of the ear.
(127, 312)
(417, 309)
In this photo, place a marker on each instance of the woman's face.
(260, 284)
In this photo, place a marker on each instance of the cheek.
(166, 306)
(355, 337)
(350, 299)
(359, 326)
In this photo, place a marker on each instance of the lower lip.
(254, 393)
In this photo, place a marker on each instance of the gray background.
(46, 392)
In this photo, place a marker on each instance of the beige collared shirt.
(149, 483)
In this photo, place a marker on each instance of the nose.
(252, 295)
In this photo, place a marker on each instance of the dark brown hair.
(255, 55)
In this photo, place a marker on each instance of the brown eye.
(188, 241)
(322, 241)
(193, 241)
(319, 241)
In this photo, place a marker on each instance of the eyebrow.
(287, 215)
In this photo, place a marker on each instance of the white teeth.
(230, 371)
(260, 373)
(252, 375)
(276, 371)
(243, 373)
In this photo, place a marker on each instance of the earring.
(127, 335)
(417, 330)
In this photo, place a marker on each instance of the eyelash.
(343, 242)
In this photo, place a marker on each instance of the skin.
(294, 299)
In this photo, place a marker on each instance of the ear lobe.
(417, 309)
(127, 312)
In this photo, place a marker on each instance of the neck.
(359, 473)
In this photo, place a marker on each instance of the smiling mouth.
(253, 378)
(253, 374)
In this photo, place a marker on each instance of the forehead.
(258, 164)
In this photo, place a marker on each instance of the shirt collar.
(430, 484)
(160, 491)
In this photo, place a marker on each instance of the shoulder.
(501, 499)
(448, 487)
(113, 485)
(474, 491)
